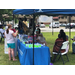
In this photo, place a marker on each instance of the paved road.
(47, 29)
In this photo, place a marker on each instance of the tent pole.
(33, 35)
(13, 20)
(69, 31)
(52, 25)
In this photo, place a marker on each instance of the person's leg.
(12, 51)
(72, 47)
(9, 52)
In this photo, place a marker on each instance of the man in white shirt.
(2, 31)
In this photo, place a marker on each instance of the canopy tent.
(45, 11)
(25, 11)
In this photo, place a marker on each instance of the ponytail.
(9, 25)
(7, 31)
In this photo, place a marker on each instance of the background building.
(65, 19)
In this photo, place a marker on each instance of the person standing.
(1, 32)
(9, 35)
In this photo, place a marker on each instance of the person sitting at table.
(61, 38)
(38, 32)
(40, 38)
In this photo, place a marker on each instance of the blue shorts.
(11, 45)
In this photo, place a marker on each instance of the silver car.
(42, 25)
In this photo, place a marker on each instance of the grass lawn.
(47, 25)
(50, 42)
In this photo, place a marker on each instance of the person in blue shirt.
(20, 27)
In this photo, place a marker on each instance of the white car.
(42, 25)
(54, 25)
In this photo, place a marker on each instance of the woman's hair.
(62, 34)
(59, 36)
(9, 25)
(61, 31)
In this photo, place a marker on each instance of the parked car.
(70, 25)
(55, 25)
(42, 25)
(62, 25)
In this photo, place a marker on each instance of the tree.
(6, 11)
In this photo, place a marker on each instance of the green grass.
(4, 59)
(47, 25)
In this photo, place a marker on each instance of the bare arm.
(15, 34)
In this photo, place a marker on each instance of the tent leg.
(33, 35)
(13, 21)
(69, 31)
(52, 25)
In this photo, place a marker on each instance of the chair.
(65, 45)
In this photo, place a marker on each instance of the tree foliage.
(6, 11)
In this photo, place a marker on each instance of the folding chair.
(65, 45)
